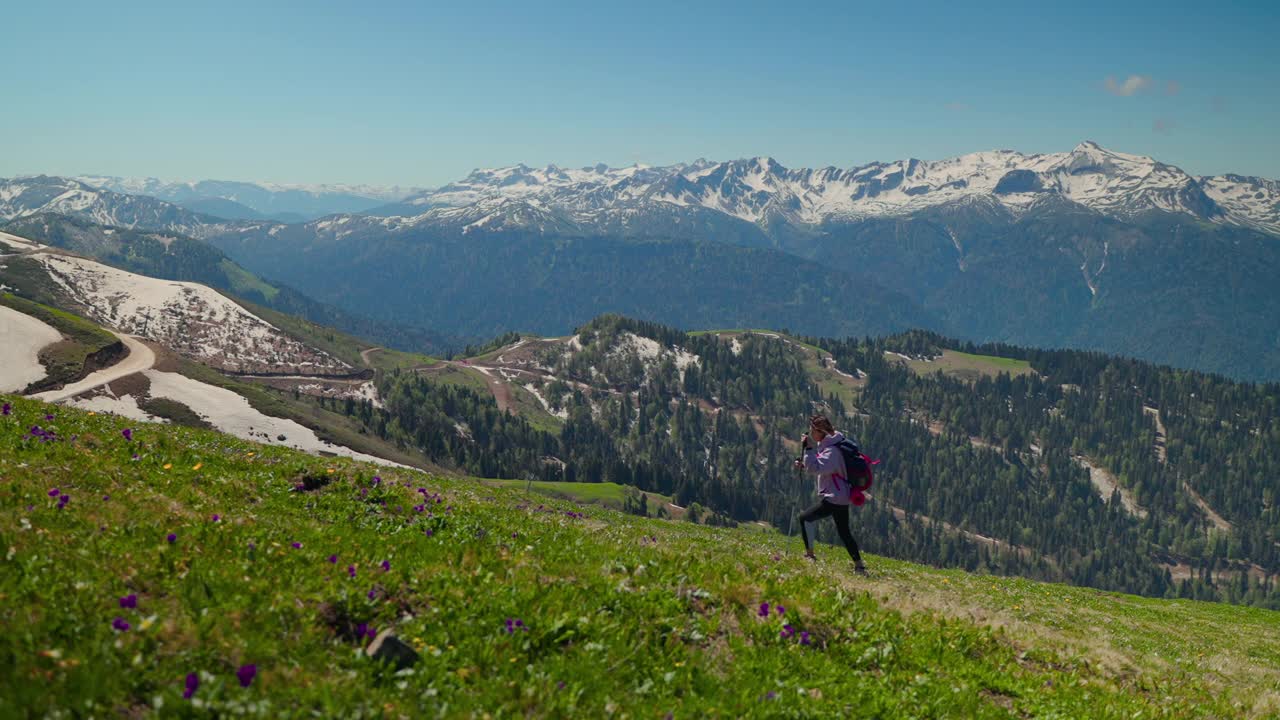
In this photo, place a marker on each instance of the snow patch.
(21, 339)
(562, 413)
(232, 414)
(124, 406)
(192, 319)
(22, 244)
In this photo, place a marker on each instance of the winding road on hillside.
(139, 358)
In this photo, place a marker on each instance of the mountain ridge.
(760, 189)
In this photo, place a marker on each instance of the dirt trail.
(1162, 438)
(139, 358)
(1217, 520)
(901, 514)
(364, 356)
(1107, 484)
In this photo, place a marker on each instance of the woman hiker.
(821, 456)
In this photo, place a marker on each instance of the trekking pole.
(791, 526)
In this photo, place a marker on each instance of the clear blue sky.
(416, 93)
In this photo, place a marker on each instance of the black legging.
(839, 513)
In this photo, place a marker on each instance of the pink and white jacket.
(828, 462)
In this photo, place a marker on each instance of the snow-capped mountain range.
(257, 200)
(763, 192)
(27, 196)
(756, 194)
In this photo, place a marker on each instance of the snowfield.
(192, 319)
(231, 413)
(124, 406)
(21, 339)
(19, 244)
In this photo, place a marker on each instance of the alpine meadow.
(425, 360)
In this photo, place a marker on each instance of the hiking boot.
(860, 569)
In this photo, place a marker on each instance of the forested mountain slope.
(1062, 465)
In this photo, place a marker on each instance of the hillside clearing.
(965, 366)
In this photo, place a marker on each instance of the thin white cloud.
(1131, 85)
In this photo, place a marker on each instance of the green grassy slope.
(339, 344)
(607, 494)
(618, 615)
(967, 366)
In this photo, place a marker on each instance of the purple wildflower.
(253, 545)
(429, 532)
(48, 416)
(764, 610)
(296, 545)
(373, 593)
(781, 610)
(119, 624)
(560, 685)
(217, 517)
(245, 674)
(135, 456)
(54, 492)
(6, 409)
(361, 629)
(377, 480)
(804, 638)
(106, 498)
(386, 566)
(127, 433)
(771, 695)
(351, 571)
(62, 501)
(788, 631)
(514, 624)
(333, 559)
(129, 601)
(172, 538)
(193, 682)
